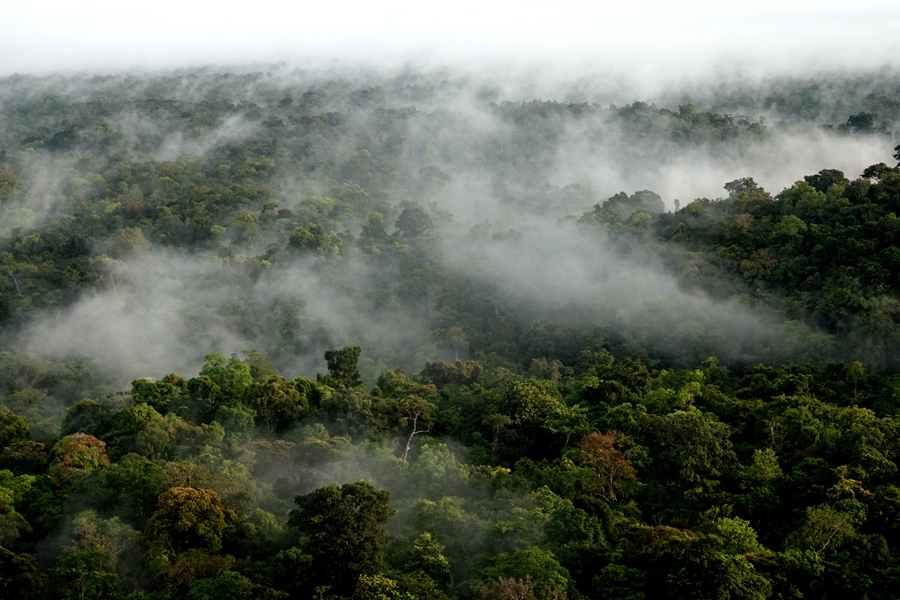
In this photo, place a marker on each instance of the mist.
(504, 217)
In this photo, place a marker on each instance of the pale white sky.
(645, 36)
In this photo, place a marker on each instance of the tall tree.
(189, 518)
(342, 530)
(342, 367)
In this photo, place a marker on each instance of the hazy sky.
(641, 37)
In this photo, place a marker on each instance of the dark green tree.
(228, 586)
(342, 367)
(343, 531)
(13, 428)
(21, 576)
(414, 222)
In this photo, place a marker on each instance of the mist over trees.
(339, 334)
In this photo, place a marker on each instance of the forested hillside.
(345, 335)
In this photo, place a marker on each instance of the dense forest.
(348, 335)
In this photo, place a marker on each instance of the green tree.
(531, 402)
(134, 484)
(373, 229)
(690, 446)
(158, 394)
(228, 586)
(190, 566)
(618, 582)
(24, 458)
(686, 564)
(824, 528)
(350, 410)
(189, 518)
(538, 416)
(342, 367)
(378, 587)
(428, 557)
(414, 222)
(260, 366)
(824, 179)
(85, 575)
(277, 402)
(86, 416)
(342, 529)
(110, 536)
(226, 380)
(314, 240)
(21, 576)
(739, 537)
(142, 430)
(13, 428)
(551, 579)
(238, 421)
(13, 491)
